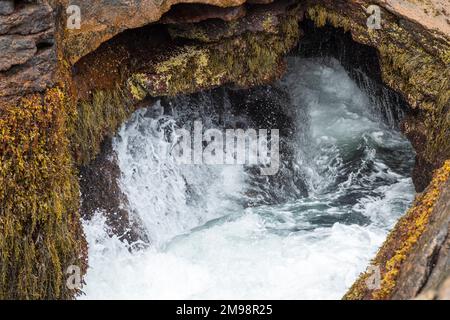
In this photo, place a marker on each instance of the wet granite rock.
(101, 193)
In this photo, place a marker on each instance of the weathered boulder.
(15, 50)
(442, 292)
(36, 75)
(28, 18)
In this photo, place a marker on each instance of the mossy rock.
(40, 227)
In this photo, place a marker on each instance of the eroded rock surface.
(103, 19)
(432, 14)
(264, 19)
(27, 50)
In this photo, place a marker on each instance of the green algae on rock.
(245, 61)
(97, 119)
(40, 227)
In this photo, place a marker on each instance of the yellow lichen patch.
(401, 241)
(186, 71)
(136, 86)
(246, 60)
(269, 23)
(40, 232)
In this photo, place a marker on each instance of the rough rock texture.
(265, 19)
(103, 19)
(6, 7)
(428, 263)
(187, 13)
(432, 14)
(27, 51)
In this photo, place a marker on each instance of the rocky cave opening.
(139, 50)
(81, 109)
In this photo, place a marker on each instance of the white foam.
(206, 246)
(234, 260)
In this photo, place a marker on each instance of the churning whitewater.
(226, 232)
